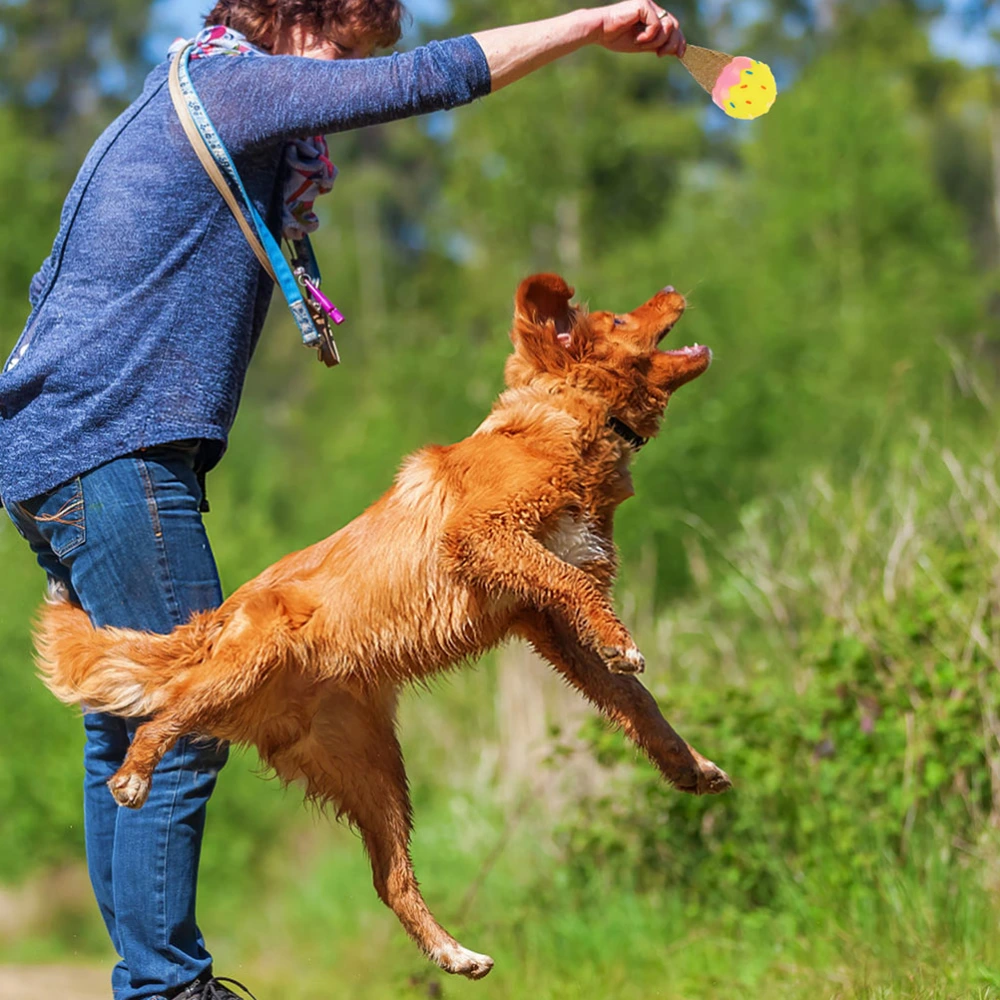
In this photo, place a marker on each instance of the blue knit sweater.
(146, 313)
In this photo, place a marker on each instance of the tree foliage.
(67, 64)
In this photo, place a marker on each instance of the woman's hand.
(638, 26)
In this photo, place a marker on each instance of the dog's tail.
(111, 669)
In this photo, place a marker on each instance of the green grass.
(308, 926)
(317, 930)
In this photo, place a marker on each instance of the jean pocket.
(59, 517)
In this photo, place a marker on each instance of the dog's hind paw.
(623, 661)
(129, 790)
(454, 958)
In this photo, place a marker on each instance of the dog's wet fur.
(508, 532)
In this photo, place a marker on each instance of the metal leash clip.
(322, 310)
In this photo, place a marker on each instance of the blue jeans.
(128, 541)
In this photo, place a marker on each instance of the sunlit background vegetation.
(811, 563)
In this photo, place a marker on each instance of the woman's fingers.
(650, 24)
(643, 26)
(675, 43)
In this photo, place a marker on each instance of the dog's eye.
(619, 321)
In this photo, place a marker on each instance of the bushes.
(854, 699)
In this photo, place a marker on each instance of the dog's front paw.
(456, 959)
(712, 780)
(620, 660)
(703, 778)
(129, 789)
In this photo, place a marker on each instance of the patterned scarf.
(308, 169)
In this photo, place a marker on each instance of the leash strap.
(215, 158)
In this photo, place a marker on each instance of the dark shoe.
(212, 988)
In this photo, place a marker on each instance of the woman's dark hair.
(376, 21)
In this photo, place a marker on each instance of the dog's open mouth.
(692, 351)
(666, 330)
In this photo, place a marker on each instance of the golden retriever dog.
(508, 532)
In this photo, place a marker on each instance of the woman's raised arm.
(258, 101)
(633, 26)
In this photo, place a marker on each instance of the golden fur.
(506, 532)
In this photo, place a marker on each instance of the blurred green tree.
(68, 63)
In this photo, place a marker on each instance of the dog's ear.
(543, 299)
(542, 333)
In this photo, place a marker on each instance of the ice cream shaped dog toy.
(742, 87)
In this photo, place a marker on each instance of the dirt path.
(73, 982)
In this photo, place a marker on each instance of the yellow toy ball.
(745, 88)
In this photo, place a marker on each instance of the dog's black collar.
(624, 431)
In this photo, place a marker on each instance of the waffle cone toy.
(742, 87)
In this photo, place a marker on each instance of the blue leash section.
(309, 315)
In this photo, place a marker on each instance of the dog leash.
(312, 310)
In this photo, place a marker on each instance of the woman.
(122, 389)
